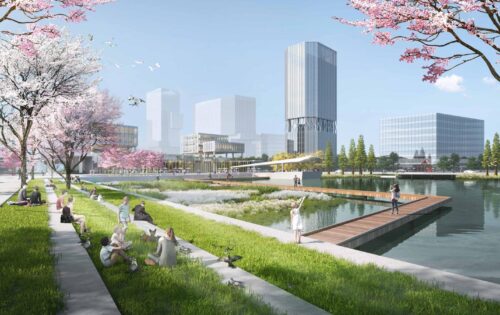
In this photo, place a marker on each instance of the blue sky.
(209, 49)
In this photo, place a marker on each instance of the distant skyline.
(212, 49)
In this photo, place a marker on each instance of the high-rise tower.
(164, 121)
(310, 97)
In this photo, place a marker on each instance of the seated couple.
(68, 216)
(35, 198)
(165, 252)
(115, 248)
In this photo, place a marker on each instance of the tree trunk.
(24, 162)
(496, 170)
(487, 171)
(371, 171)
(68, 178)
(360, 171)
(352, 170)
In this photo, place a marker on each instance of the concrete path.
(445, 280)
(9, 185)
(84, 290)
(270, 294)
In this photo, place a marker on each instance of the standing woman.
(395, 198)
(296, 220)
(123, 213)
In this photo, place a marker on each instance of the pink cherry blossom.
(447, 31)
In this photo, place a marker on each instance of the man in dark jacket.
(36, 197)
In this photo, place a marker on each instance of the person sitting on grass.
(93, 193)
(36, 197)
(68, 216)
(123, 213)
(110, 255)
(165, 252)
(118, 238)
(50, 184)
(140, 213)
(22, 198)
(60, 200)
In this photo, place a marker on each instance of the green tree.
(328, 157)
(454, 161)
(371, 160)
(487, 157)
(352, 156)
(495, 152)
(472, 163)
(444, 163)
(361, 155)
(265, 157)
(343, 162)
(394, 160)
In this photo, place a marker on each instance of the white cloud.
(451, 83)
(490, 81)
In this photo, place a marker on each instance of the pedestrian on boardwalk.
(395, 198)
(295, 181)
(296, 220)
(123, 213)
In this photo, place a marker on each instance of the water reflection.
(462, 238)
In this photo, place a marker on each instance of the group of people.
(296, 181)
(115, 248)
(35, 198)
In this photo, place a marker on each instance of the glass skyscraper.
(310, 97)
(433, 135)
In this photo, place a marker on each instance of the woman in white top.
(395, 198)
(296, 220)
(165, 252)
(118, 238)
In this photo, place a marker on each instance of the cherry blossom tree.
(31, 12)
(9, 159)
(62, 71)
(115, 157)
(70, 131)
(448, 33)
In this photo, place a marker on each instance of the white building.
(310, 97)
(234, 116)
(164, 121)
(270, 144)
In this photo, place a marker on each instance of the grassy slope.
(335, 285)
(189, 288)
(26, 265)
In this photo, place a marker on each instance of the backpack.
(66, 216)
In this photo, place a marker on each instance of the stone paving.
(84, 291)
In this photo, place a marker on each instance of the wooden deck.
(355, 232)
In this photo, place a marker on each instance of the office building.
(432, 136)
(164, 121)
(234, 116)
(126, 136)
(310, 97)
(270, 144)
(206, 145)
(231, 115)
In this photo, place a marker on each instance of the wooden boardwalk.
(355, 232)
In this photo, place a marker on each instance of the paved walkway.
(445, 280)
(84, 290)
(270, 294)
(9, 185)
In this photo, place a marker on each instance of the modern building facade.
(164, 121)
(206, 145)
(270, 144)
(433, 135)
(310, 97)
(234, 116)
(231, 115)
(126, 136)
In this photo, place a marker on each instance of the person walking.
(296, 220)
(394, 198)
(123, 213)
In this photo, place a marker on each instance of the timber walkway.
(356, 232)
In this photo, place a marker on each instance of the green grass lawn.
(189, 288)
(333, 284)
(27, 278)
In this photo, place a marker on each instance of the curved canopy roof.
(303, 159)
